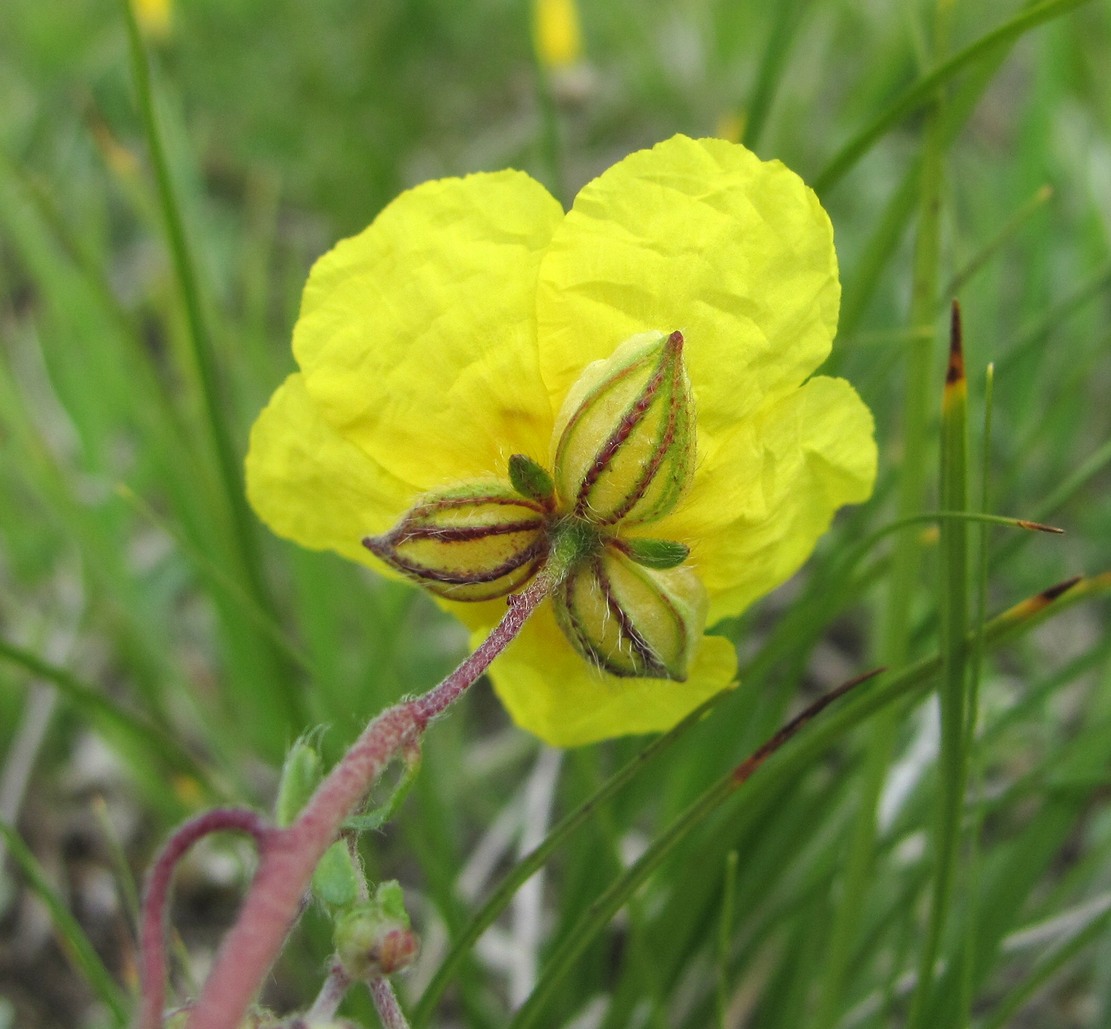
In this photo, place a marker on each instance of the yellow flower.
(444, 339)
(154, 17)
(557, 37)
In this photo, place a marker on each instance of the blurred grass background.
(160, 650)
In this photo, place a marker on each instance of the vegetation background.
(159, 650)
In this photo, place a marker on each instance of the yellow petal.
(700, 236)
(417, 337)
(763, 496)
(312, 486)
(550, 691)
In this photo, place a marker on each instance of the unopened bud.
(629, 619)
(375, 939)
(472, 542)
(626, 434)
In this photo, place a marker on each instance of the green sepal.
(390, 899)
(531, 480)
(655, 553)
(302, 772)
(374, 819)
(335, 882)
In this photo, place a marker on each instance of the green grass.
(878, 869)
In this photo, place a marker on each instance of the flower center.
(623, 456)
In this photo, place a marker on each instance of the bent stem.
(157, 894)
(287, 857)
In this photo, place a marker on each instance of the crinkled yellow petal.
(553, 693)
(312, 486)
(700, 236)
(763, 496)
(417, 338)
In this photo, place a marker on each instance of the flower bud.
(629, 619)
(375, 938)
(626, 434)
(472, 542)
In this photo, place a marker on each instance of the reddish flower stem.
(385, 1003)
(288, 856)
(331, 995)
(157, 896)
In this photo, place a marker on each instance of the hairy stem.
(385, 1003)
(331, 995)
(156, 898)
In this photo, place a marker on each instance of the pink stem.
(288, 856)
(331, 995)
(157, 895)
(385, 1003)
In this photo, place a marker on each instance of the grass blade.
(71, 936)
(953, 690)
(920, 93)
(533, 861)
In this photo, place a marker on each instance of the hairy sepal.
(630, 620)
(474, 542)
(624, 449)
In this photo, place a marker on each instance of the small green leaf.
(531, 480)
(335, 883)
(301, 774)
(656, 553)
(391, 900)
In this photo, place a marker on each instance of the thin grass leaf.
(1081, 929)
(996, 243)
(976, 660)
(920, 93)
(953, 689)
(907, 686)
(285, 707)
(729, 896)
(773, 59)
(535, 859)
(158, 752)
(71, 936)
(905, 569)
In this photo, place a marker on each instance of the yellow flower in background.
(470, 328)
(556, 33)
(154, 17)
